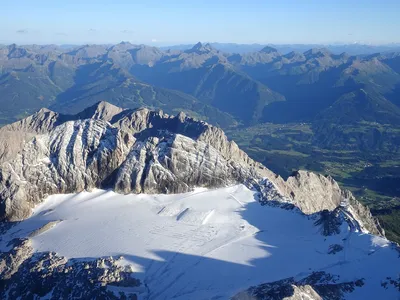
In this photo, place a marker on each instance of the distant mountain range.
(222, 88)
(352, 49)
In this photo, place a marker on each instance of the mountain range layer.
(353, 49)
(251, 87)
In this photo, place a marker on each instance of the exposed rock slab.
(316, 286)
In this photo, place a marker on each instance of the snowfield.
(206, 244)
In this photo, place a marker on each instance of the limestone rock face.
(312, 192)
(101, 111)
(174, 164)
(72, 157)
(317, 286)
(143, 151)
(14, 136)
(11, 261)
(362, 212)
(50, 276)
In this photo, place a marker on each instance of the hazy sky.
(170, 22)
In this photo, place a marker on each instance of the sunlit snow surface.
(207, 243)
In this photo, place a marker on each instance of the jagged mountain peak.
(41, 121)
(15, 51)
(295, 55)
(358, 106)
(317, 52)
(44, 110)
(101, 110)
(125, 43)
(269, 50)
(201, 48)
(344, 55)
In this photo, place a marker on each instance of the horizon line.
(161, 44)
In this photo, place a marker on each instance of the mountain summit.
(268, 49)
(317, 52)
(200, 48)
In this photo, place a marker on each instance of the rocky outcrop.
(369, 222)
(144, 151)
(175, 164)
(308, 189)
(316, 286)
(317, 193)
(50, 276)
(101, 111)
(14, 136)
(75, 156)
(11, 261)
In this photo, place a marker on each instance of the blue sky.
(164, 22)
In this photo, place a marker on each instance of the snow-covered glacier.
(207, 244)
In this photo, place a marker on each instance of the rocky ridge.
(56, 277)
(143, 151)
(317, 286)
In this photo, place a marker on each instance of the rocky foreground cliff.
(144, 151)
(141, 151)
